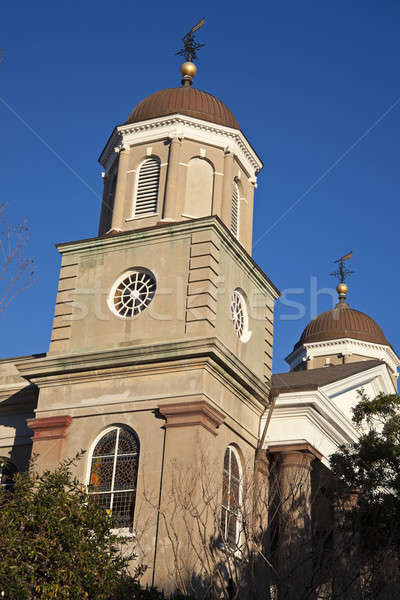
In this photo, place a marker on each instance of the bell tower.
(163, 323)
(179, 156)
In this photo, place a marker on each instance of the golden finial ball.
(188, 68)
(342, 288)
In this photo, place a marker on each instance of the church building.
(162, 340)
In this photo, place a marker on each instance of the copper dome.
(185, 101)
(342, 322)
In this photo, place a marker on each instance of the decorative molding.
(148, 234)
(344, 346)
(189, 414)
(75, 368)
(49, 428)
(188, 127)
(297, 449)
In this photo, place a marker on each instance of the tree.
(56, 542)
(370, 469)
(16, 270)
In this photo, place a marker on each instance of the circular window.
(132, 293)
(239, 316)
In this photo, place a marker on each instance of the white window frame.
(246, 333)
(124, 275)
(123, 531)
(156, 212)
(234, 451)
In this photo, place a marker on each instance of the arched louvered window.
(147, 187)
(113, 473)
(231, 496)
(235, 210)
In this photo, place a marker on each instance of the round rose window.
(132, 293)
(240, 316)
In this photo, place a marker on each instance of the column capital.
(300, 455)
(187, 414)
(49, 428)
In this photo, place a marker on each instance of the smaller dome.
(185, 101)
(342, 322)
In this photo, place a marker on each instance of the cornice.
(323, 409)
(52, 369)
(345, 346)
(358, 380)
(182, 126)
(182, 228)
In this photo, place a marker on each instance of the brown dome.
(185, 101)
(342, 322)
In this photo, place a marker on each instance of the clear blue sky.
(306, 80)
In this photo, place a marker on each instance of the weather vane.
(342, 272)
(190, 46)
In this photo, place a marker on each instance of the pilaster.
(171, 191)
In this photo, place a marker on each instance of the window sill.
(125, 532)
(142, 217)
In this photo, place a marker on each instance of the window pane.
(127, 443)
(234, 466)
(125, 473)
(103, 500)
(101, 474)
(106, 446)
(123, 507)
(234, 495)
(232, 528)
(223, 521)
(226, 460)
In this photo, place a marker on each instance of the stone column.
(171, 188)
(259, 574)
(227, 188)
(346, 572)
(120, 191)
(190, 441)
(295, 543)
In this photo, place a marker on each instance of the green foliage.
(55, 542)
(371, 467)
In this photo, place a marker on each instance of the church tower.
(161, 348)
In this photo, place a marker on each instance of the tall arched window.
(113, 473)
(147, 188)
(235, 210)
(231, 496)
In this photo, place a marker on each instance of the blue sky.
(314, 85)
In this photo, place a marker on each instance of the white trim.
(344, 346)
(122, 531)
(153, 157)
(316, 417)
(143, 217)
(246, 333)
(240, 471)
(188, 127)
(118, 281)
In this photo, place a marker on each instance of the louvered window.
(147, 187)
(235, 210)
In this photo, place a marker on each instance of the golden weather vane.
(342, 272)
(190, 46)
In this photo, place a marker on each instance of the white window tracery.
(231, 497)
(113, 474)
